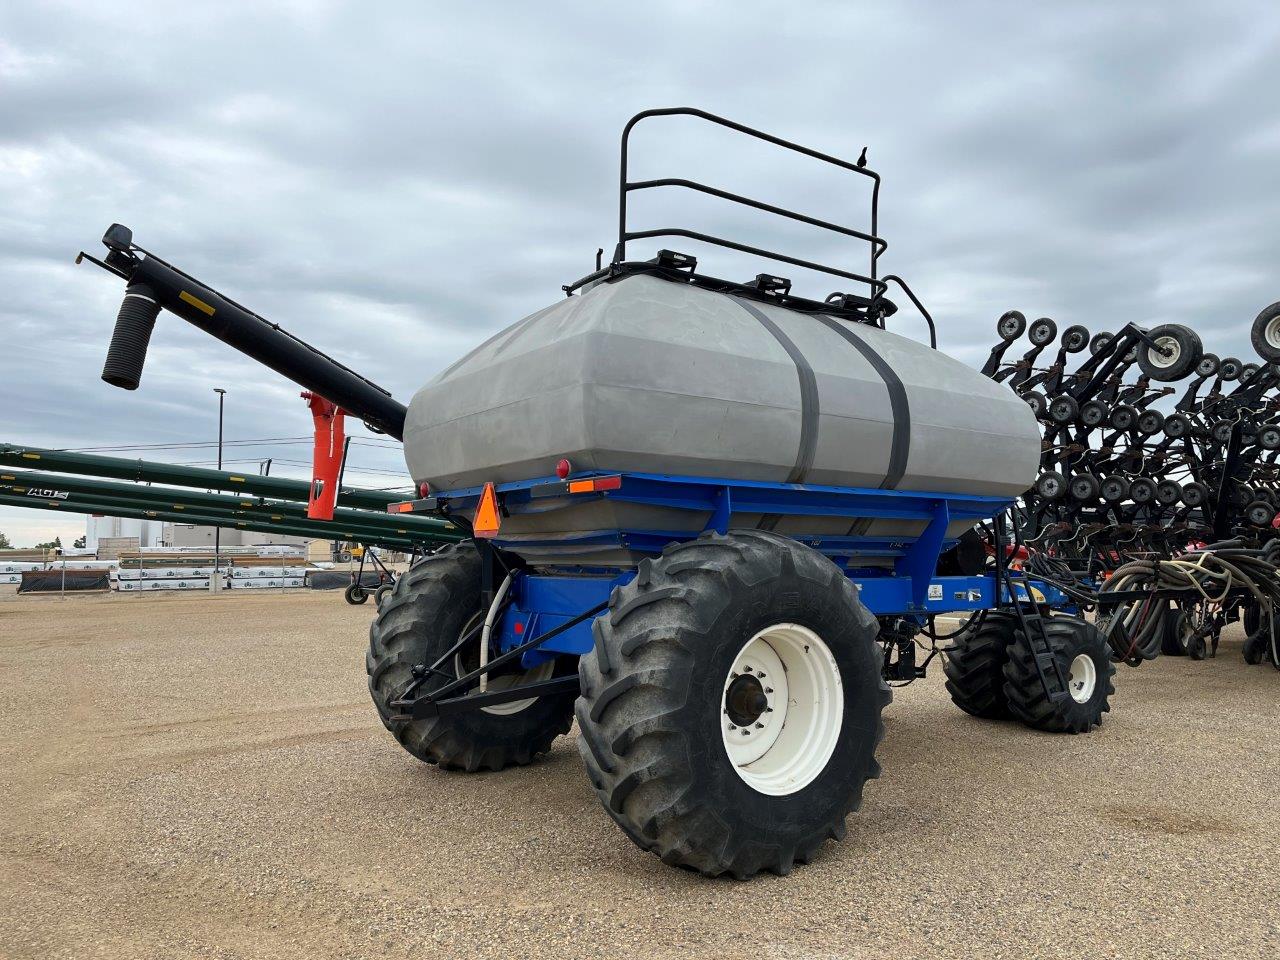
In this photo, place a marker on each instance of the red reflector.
(519, 628)
(424, 489)
(594, 484)
(563, 469)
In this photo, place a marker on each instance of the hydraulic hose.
(489, 618)
(1210, 576)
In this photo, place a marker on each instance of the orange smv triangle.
(487, 520)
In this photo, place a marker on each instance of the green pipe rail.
(21, 481)
(151, 471)
(79, 503)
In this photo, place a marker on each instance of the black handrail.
(625, 186)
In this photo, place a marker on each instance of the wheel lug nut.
(759, 726)
(768, 689)
(732, 727)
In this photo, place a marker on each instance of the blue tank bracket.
(920, 560)
(719, 521)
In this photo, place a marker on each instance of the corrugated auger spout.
(154, 284)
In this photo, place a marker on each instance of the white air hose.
(488, 629)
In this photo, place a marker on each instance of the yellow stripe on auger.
(195, 302)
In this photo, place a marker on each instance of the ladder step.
(1046, 661)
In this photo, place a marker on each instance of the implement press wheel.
(1172, 354)
(431, 606)
(730, 708)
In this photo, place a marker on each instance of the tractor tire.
(683, 674)
(355, 594)
(1257, 648)
(1173, 642)
(1251, 619)
(1085, 658)
(430, 607)
(974, 666)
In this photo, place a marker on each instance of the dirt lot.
(204, 777)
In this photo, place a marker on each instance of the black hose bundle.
(1213, 577)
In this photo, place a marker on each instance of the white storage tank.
(649, 375)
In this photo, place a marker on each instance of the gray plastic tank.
(648, 375)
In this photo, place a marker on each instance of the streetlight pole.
(215, 584)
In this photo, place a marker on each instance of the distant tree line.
(54, 544)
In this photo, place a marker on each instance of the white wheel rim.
(1158, 355)
(783, 748)
(1272, 332)
(506, 681)
(1083, 678)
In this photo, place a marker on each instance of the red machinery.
(326, 457)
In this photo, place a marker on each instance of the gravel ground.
(194, 776)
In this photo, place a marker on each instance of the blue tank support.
(910, 588)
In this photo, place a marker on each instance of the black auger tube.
(128, 350)
(237, 327)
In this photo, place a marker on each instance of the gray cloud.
(395, 183)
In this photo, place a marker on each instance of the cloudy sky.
(396, 181)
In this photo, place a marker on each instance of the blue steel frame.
(541, 602)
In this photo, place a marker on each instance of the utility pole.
(215, 584)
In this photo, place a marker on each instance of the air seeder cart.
(711, 521)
